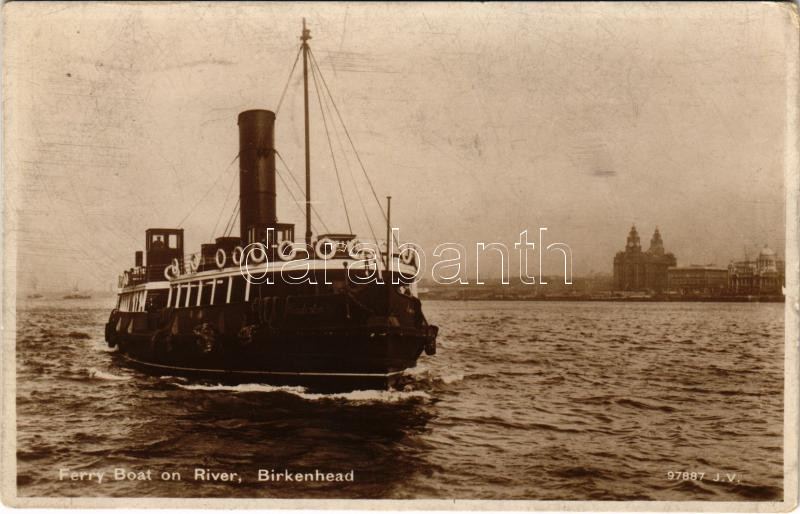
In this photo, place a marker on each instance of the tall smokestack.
(256, 171)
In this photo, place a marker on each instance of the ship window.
(221, 291)
(205, 296)
(191, 294)
(205, 292)
(237, 290)
(155, 300)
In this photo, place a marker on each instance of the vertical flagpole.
(389, 257)
(388, 232)
(305, 37)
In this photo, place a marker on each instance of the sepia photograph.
(496, 256)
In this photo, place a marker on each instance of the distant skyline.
(480, 122)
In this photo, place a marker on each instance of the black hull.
(311, 381)
(325, 360)
(334, 342)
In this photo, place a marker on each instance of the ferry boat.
(344, 316)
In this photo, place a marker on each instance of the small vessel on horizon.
(231, 313)
(76, 294)
(34, 294)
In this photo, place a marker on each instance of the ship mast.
(305, 37)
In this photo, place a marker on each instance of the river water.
(524, 400)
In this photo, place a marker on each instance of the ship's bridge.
(162, 245)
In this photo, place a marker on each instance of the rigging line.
(207, 192)
(314, 63)
(230, 222)
(314, 209)
(236, 212)
(222, 209)
(229, 230)
(330, 146)
(347, 133)
(288, 80)
(294, 179)
(350, 173)
(286, 185)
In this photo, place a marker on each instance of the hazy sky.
(480, 120)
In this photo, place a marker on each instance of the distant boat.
(76, 295)
(34, 295)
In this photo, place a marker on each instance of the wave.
(369, 395)
(102, 346)
(643, 405)
(172, 378)
(103, 375)
(423, 373)
(452, 378)
(758, 492)
(243, 388)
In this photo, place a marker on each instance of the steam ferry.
(329, 313)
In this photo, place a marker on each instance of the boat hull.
(310, 381)
(322, 359)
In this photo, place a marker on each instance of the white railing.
(189, 264)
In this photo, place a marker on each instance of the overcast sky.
(480, 120)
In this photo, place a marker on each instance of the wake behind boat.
(332, 313)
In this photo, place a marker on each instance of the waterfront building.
(637, 270)
(763, 275)
(697, 280)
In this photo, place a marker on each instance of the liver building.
(635, 270)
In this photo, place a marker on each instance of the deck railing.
(193, 262)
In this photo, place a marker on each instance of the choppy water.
(525, 400)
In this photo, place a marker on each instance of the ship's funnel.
(256, 171)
